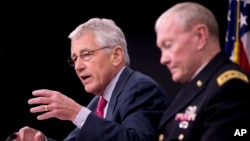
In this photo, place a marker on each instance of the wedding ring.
(46, 108)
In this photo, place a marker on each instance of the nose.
(164, 58)
(79, 65)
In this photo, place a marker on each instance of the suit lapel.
(127, 72)
(93, 103)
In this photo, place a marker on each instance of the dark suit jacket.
(213, 107)
(136, 106)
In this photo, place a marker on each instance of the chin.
(176, 79)
(88, 89)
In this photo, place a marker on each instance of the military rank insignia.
(231, 74)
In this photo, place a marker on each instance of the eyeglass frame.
(85, 55)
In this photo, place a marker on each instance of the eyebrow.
(81, 51)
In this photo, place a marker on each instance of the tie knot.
(100, 107)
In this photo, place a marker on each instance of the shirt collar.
(111, 86)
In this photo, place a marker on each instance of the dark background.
(35, 48)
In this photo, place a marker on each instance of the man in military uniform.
(214, 102)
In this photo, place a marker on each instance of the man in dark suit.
(214, 103)
(135, 102)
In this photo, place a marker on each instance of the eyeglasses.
(85, 56)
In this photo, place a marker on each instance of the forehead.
(169, 27)
(85, 42)
(169, 21)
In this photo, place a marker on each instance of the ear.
(202, 33)
(117, 55)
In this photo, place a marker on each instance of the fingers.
(38, 100)
(28, 134)
(40, 108)
(44, 109)
(45, 115)
(42, 92)
(44, 98)
(56, 105)
(39, 136)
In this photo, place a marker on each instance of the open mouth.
(85, 79)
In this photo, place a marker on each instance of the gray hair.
(191, 13)
(107, 34)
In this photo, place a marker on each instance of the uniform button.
(199, 83)
(161, 137)
(181, 137)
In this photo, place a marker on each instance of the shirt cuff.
(81, 117)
